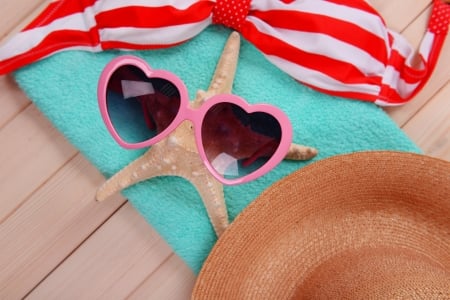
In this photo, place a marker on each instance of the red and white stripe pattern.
(341, 47)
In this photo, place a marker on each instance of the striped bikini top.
(340, 47)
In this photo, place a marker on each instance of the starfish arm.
(211, 193)
(223, 78)
(222, 81)
(300, 152)
(178, 161)
(173, 161)
(144, 167)
(173, 156)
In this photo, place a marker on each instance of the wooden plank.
(16, 14)
(111, 264)
(173, 280)
(440, 76)
(53, 222)
(389, 10)
(430, 128)
(32, 150)
(12, 99)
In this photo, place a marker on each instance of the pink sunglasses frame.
(196, 116)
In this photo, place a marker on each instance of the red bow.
(341, 47)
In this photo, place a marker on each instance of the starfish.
(177, 154)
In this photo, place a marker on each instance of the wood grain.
(16, 14)
(50, 225)
(390, 10)
(10, 90)
(32, 150)
(430, 127)
(111, 264)
(57, 242)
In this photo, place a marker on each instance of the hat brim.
(356, 225)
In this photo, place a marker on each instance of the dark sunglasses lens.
(140, 107)
(237, 143)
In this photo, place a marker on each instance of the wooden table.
(57, 242)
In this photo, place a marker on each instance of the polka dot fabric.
(231, 13)
(440, 18)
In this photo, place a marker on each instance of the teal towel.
(64, 87)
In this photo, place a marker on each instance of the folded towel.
(64, 87)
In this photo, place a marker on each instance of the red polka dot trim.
(440, 18)
(231, 13)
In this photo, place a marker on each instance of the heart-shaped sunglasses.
(238, 142)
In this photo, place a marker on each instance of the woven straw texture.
(369, 225)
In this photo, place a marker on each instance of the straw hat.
(368, 225)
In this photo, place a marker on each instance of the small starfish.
(177, 154)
